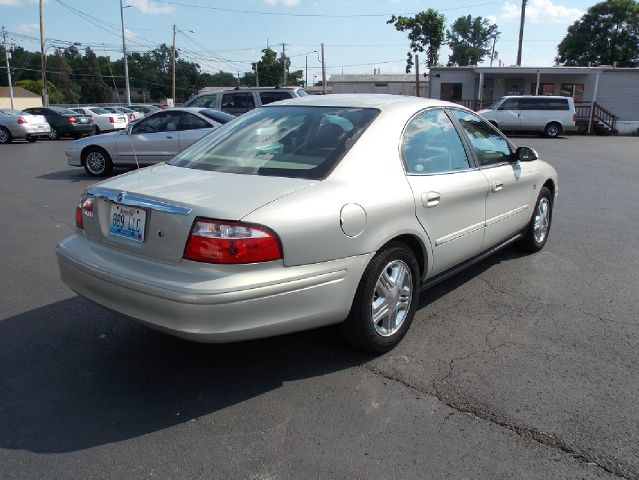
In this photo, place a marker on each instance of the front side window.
(284, 141)
(510, 104)
(490, 146)
(431, 145)
(161, 122)
(205, 101)
(192, 122)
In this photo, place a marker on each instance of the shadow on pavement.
(75, 376)
(72, 174)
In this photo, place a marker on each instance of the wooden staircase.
(604, 122)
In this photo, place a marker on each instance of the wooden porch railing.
(585, 111)
(473, 104)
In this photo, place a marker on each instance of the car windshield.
(283, 141)
(98, 110)
(496, 104)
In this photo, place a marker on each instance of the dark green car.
(64, 122)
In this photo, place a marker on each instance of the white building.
(394, 84)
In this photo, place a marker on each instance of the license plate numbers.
(83, 120)
(127, 222)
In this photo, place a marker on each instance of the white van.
(531, 113)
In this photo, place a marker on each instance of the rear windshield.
(283, 141)
(12, 113)
(98, 110)
(63, 111)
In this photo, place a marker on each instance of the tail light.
(111, 120)
(21, 120)
(73, 120)
(131, 116)
(84, 207)
(574, 117)
(220, 241)
(90, 119)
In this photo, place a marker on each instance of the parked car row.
(18, 124)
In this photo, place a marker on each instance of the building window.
(381, 84)
(544, 88)
(574, 90)
(451, 91)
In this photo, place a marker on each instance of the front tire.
(552, 130)
(536, 234)
(385, 302)
(5, 135)
(97, 162)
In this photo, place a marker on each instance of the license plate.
(83, 120)
(41, 128)
(127, 222)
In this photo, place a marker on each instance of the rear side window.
(431, 145)
(283, 141)
(192, 122)
(205, 101)
(558, 104)
(270, 97)
(237, 103)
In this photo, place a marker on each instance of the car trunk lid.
(161, 203)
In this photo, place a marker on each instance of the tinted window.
(160, 122)
(237, 103)
(279, 141)
(192, 122)
(489, 145)
(510, 104)
(557, 104)
(219, 117)
(205, 101)
(270, 97)
(63, 111)
(97, 110)
(431, 144)
(539, 103)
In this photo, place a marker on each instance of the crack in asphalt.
(609, 465)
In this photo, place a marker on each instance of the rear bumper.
(209, 303)
(21, 131)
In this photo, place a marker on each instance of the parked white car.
(550, 115)
(132, 115)
(103, 120)
(153, 139)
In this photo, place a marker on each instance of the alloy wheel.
(96, 163)
(4, 136)
(392, 298)
(542, 220)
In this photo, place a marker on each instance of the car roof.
(535, 96)
(357, 100)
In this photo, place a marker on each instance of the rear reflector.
(221, 241)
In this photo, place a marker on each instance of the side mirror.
(526, 154)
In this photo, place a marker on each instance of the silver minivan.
(240, 100)
(550, 115)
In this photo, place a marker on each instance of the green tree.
(470, 40)
(425, 32)
(271, 71)
(59, 72)
(607, 34)
(93, 89)
(35, 86)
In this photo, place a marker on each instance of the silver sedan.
(153, 139)
(337, 209)
(18, 124)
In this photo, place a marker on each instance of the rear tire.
(537, 231)
(552, 130)
(385, 302)
(5, 135)
(97, 162)
(32, 139)
(54, 134)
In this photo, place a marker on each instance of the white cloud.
(540, 11)
(26, 27)
(284, 3)
(149, 6)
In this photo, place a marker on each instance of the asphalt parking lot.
(521, 367)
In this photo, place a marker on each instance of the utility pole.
(6, 56)
(521, 31)
(126, 60)
(306, 76)
(257, 73)
(417, 74)
(323, 71)
(45, 90)
(173, 71)
(492, 54)
(284, 61)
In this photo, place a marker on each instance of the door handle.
(431, 199)
(497, 185)
(169, 136)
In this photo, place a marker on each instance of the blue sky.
(231, 40)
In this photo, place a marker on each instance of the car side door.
(152, 139)
(450, 193)
(191, 129)
(509, 115)
(512, 184)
